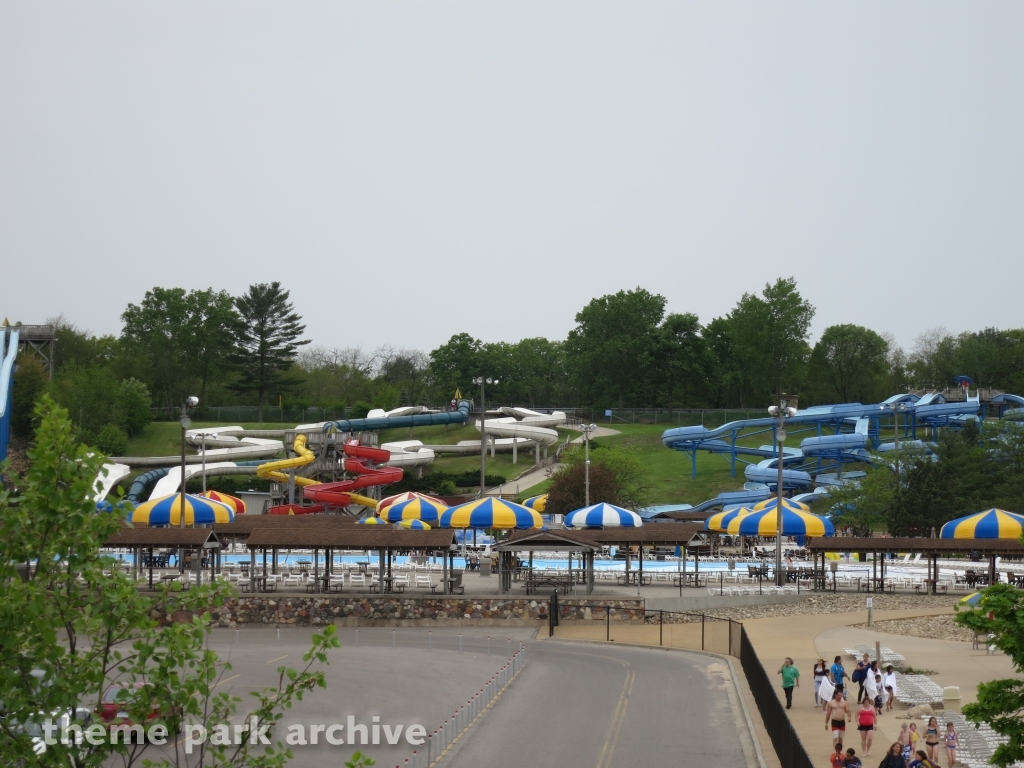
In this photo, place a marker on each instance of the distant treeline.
(624, 351)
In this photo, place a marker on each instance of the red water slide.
(341, 494)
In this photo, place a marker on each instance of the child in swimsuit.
(904, 740)
(952, 742)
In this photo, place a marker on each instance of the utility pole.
(483, 431)
(587, 429)
(785, 409)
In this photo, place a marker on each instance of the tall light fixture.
(483, 430)
(587, 429)
(186, 424)
(784, 410)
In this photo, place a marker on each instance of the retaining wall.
(412, 611)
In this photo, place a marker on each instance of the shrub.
(112, 440)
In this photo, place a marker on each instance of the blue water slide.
(458, 416)
(7, 386)
(767, 472)
(1011, 407)
(830, 444)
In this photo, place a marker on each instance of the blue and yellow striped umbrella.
(491, 513)
(413, 525)
(794, 523)
(787, 505)
(372, 521)
(167, 511)
(537, 503)
(419, 508)
(990, 524)
(719, 521)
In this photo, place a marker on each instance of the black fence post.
(607, 624)
(702, 631)
(661, 627)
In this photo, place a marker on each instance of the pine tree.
(267, 340)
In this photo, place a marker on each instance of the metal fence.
(451, 729)
(788, 746)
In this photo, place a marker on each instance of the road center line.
(604, 760)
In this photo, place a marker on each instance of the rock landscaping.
(318, 610)
(836, 603)
(933, 627)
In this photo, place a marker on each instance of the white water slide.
(516, 428)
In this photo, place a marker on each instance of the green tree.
(30, 381)
(617, 476)
(184, 339)
(865, 504)
(1000, 613)
(684, 361)
(72, 623)
(112, 440)
(849, 364)
(614, 340)
(267, 341)
(925, 499)
(132, 406)
(769, 337)
(454, 364)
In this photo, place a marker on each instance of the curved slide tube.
(340, 494)
(304, 457)
(6, 386)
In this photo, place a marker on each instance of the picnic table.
(690, 579)
(534, 581)
(634, 577)
(261, 583)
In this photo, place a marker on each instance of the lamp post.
(483, 430)
(587, 429)
(896, 408)
(785, 409)
(186, 423)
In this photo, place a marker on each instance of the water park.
(326, 543)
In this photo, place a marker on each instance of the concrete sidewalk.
(805, 638)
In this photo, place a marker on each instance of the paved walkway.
(805, 638)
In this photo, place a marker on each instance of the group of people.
(875, 695)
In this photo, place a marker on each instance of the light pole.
(785, 409)
(186, 423)
(587, 429)
(896, 408)
(483, 430)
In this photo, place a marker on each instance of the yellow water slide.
(273, 470)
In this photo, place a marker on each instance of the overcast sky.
(414, 170)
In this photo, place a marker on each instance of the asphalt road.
(579, 705)
(575, 704)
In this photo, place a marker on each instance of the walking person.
(860, 675)
(852, 761)
(820, 671)
(904, 740)
(838, 673)
(893, 757)
(790, 677)
(952, 744)
(837, 758)
(889, 687)
(870, 686)
(866, 717)
(931, 739)
(922, 761)
(878, 693)
(837, 714)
